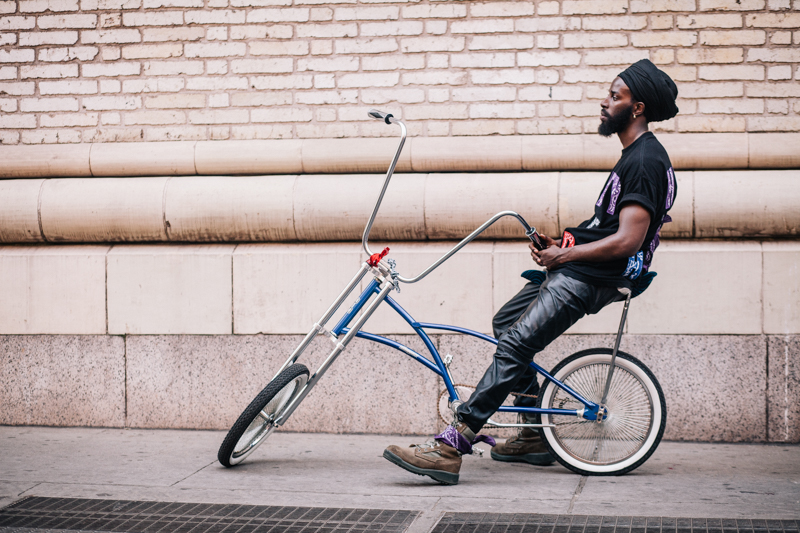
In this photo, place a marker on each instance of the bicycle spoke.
(628, 422)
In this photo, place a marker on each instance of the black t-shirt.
(644, 176)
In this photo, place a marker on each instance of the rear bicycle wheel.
(257, 421)
(637, 414)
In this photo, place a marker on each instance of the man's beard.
(615, 123)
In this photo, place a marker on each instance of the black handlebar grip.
(380, 115)
(535, 239)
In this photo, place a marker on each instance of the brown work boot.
(435, 459)
(526, 447)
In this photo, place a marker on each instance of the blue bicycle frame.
(386, 279)
(438, 366)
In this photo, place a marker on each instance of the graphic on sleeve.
(670, 187)
(568, 240)
(616, 188)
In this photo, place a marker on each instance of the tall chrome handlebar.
(466, 241)
(390, 119)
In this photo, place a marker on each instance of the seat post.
(616, 343)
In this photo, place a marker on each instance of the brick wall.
(126, 70)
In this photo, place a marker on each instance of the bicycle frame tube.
(319, 326)
(466, 240)
(340, 345)
(439, 367)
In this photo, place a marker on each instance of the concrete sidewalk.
(322, 470)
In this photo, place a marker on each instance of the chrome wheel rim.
(622, 434)
(263, 424)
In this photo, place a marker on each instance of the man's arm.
(633, 223)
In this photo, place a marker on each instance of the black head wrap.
(654, 88)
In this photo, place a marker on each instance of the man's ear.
(638, 108)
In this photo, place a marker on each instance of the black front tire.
(256, 423)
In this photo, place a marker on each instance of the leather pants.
(524, 326)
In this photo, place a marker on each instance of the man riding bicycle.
(585, 270)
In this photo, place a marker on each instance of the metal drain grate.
(533, 523)
(73, 514)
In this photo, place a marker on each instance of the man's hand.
(547, 257)
(552, 256)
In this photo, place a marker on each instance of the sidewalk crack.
(193, 473)
(578, 490)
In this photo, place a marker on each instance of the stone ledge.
(688, 151)
(418, 207)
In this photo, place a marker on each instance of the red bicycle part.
(374, 259)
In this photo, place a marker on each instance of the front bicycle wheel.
(637, 414)
(257, 421)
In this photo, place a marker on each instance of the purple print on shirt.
(670, 187)
(616, 188)
(603, 194)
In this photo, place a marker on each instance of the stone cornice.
(688, 151)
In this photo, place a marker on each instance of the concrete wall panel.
(143, 159)
(333, 156)
(716, 387)
(189, 381)
(334, 208)
(370, 389)
(245, 208)
(249, 157)
(456, 204)
(19, 210)
(53, 289)
(62, 380)
(747, 204)
(285, 289)
(783, 392)
(781, 287)
(458, 293)
(103, 210)
(167, 289)
(702, 287)
(713, 384)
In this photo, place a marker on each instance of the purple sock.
(452, 437)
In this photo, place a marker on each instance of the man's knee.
(510, 353)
